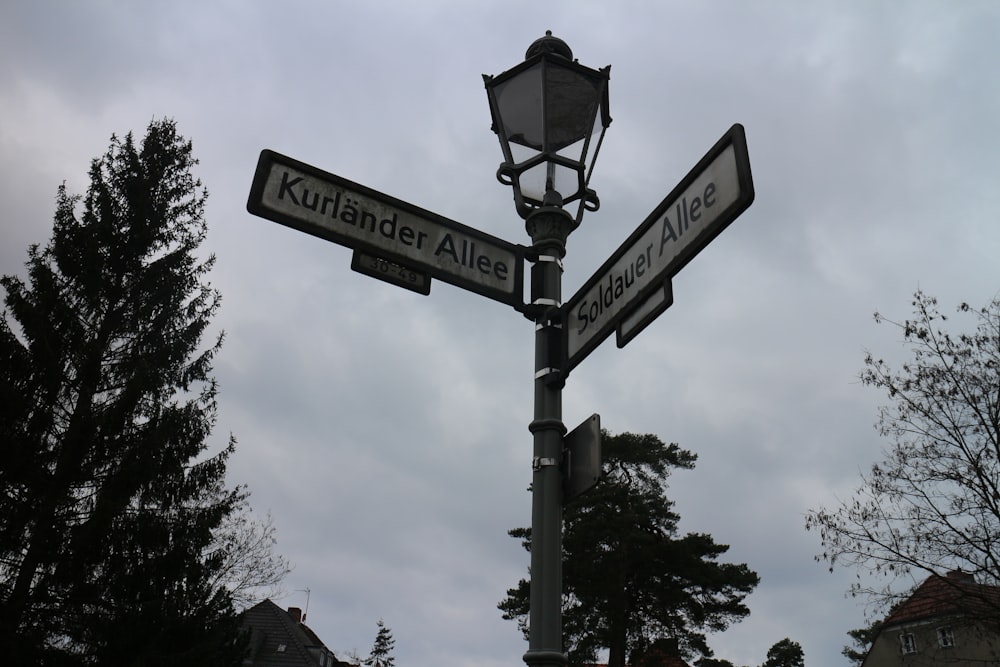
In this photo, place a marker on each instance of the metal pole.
(548, 227)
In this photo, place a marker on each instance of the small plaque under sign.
(391, 272)
(644, 314)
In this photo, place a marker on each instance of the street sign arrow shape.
(713, 194)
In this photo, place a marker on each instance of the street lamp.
(550, 114)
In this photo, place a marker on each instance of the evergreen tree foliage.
(785, 653)
(931, 504)
(713, 662)
(381, 654)
(861, 641)
(108, 498)
(629, 578)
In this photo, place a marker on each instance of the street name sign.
(396, 241)
(633, 286)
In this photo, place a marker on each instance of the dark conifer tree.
(629, 578)
(861, 642)
(785, 653)
(381, 655)
(108, 498)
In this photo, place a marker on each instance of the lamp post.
(550, 114)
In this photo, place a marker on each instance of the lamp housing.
(550, 114)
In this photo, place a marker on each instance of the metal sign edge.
(624, 337)
(590, 426)
(735, 136)
(268, 157)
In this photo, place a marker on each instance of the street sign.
(421, 244)
(582, 458)
(622, 292)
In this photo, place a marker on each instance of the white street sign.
(405, 237)
(711, 196)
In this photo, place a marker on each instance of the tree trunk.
(618, 622)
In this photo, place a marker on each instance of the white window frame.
(907, 643)
(946, 637)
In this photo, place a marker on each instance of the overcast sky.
(386, 431)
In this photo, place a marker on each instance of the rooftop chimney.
(295, 613)
(962, 577)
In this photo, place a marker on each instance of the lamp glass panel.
(566, 181)
(532, 182)
(519, 102)
(597, 134)
(521, 153)
(574, 151)
(570, 106)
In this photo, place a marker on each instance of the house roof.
(279, 640)
(948, 595)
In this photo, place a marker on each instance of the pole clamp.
(534, 257)
(549, 258)
(539, 462)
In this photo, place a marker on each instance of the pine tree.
(629, 578)
(861, 640)
(381, 655)
(785, 653)
(108, 501)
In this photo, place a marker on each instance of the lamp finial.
(549, 44)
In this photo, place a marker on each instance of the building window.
(908, 644)
(946, 638)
